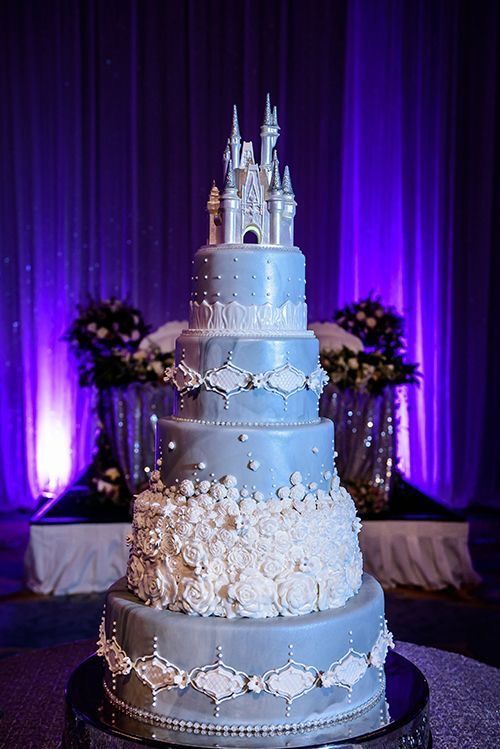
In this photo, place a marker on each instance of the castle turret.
(226, 157)
(289, 208)
(275, 202)
(234, 140)
(213, 208)
(269, 133)
(230, 208)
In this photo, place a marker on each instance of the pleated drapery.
(113, 120)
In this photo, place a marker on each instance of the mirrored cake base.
(92, 722)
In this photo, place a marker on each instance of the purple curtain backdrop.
(113, 120)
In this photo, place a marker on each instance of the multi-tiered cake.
(245, 611)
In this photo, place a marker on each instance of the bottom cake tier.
(245, 676)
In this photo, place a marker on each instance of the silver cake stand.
(91, 723)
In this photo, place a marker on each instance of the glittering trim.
(275, 424)
(214, 729)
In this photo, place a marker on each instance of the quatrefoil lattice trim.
(228, 380)
(220, 681)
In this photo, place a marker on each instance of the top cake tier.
(237, 287)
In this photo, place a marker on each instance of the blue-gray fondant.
(251, 646)
(249, 275)
(255, 355)
(279, 451)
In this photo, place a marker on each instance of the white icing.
(209, 548)
(236, 317)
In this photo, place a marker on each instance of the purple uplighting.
(110, 119)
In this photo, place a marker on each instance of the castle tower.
(275, 202)
(230, 208)
(213, 208)
(289, 208)
(269, 133)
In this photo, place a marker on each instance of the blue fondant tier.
(245, 674)
(233, 387)
(261, 458)
(248, 275)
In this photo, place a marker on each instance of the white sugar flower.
(274, 506)
(204, 487)
(298, 491)
(328, 679)
(240, 557)
(269, 525)
(255, 684)
(253, 595)
(297, 594)
(229, 481)
(186, 488)
(272, 566)
(248, 505)
(193, 553)
(296, 477)
(198, 596)
(181, 680)
(283, 492)
(218, 491)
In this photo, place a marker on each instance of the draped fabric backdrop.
(113, 120)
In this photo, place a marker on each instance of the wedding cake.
(245, 611)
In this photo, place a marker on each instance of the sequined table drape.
(129, 416)
(365, 435)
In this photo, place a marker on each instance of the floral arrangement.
(105, 337)
(369, 499)
(380, 328)
(367, 371)
(382, 362)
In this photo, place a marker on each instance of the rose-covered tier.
(245, 527)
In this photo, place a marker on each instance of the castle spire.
(268, 117)
(287, 183)
(235, 126)
(275, 184)
(234, 140)
(275, 116)
(229, 182)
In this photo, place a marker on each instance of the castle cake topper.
(255, 200)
